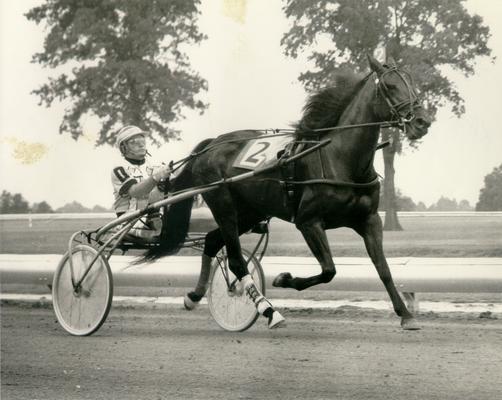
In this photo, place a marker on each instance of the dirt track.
(172, 354)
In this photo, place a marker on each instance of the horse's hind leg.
(316, 238)
(193, 298)
(239, 268)
(231, 225)
(372, 234)
(213, 243)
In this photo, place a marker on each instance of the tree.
(490, 196)
(464, 205)
(426, 37)
(403, 203)
(420, 206)
(41, 208)
(73, 207)
(13, 203)
(447, 204)
(19, 204)
(99, 209)
(126, 60)
(5, 202)
(444, 204)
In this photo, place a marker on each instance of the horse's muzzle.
(418, 126)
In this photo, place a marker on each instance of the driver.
(136, 183)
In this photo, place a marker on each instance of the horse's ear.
(375, 65)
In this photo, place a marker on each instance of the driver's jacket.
(126, 175)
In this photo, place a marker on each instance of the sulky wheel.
(82, 310)
(229, 305)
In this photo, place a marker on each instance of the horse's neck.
(351, 152)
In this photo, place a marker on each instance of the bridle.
(404, 111)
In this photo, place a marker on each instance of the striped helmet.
(127, 132)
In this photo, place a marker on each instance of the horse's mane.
(323, 109)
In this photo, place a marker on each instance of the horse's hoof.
(282, 280)
(276, 320)
(410, 324)
(190, 302)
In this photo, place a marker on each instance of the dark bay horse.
(335, 186)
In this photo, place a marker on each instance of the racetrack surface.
(168, 353)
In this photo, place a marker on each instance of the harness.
(290, 184)
(402, 113)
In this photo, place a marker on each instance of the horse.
(335, 186)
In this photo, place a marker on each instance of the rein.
(382, 124)
(284, 132)
(395, 109)
(325, 181)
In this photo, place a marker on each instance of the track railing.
(411, 275)
(204, 212)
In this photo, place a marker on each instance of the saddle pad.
(261, 152)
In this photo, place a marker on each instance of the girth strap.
(288, 175)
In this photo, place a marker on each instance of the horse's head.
(399, 100)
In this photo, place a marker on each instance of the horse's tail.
(176, 219)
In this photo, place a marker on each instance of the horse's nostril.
(422, 122)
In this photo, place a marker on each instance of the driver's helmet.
(124, 135)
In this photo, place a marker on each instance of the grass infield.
(422, 236)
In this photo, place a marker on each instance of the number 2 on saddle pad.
(259, 152)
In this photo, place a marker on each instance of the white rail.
(205, 212)
(196, 212)
(452, 275)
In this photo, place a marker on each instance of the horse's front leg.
(213, 243)
(316, 239)
(372, 233)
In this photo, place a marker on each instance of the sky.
(251, 85)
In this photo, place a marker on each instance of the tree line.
(490, 199)
(406, 203)
(15, 203)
